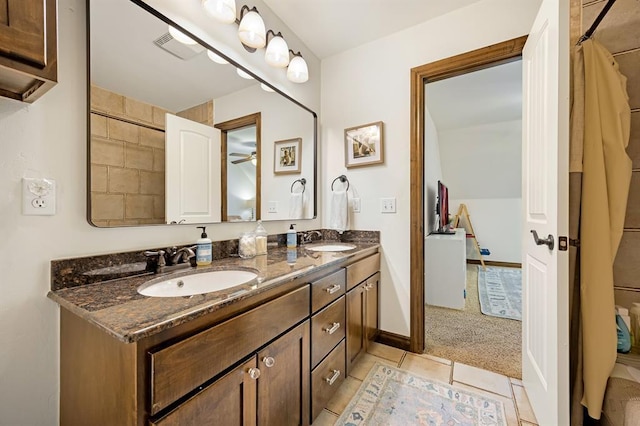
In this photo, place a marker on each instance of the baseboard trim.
(496, 263)
(392, 339)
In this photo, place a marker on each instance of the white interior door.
(192, 171)
(545, 322)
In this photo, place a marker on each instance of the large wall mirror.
(176, 138)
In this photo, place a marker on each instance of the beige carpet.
(472, 338)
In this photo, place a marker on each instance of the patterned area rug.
(500, 291)
(390, 396)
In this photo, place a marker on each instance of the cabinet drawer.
(326, 379)
(327, 289)
(179, 368)
(327, 329)
(361, 270)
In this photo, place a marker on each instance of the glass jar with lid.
(261, 239)
(247, 245)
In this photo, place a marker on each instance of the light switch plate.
(272, 207)
(388, 205)
(38, 197)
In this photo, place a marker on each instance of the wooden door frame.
(475, 60)
(238, 123)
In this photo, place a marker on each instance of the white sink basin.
(331, 247)
(189, 285)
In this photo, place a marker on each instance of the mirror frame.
(157, 14)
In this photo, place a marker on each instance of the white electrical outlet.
(38, 197)
(356, 205)
(272, 207)
(388, 205)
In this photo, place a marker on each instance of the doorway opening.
(473, 170)
(487, 57)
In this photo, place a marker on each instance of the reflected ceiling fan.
(245, 157)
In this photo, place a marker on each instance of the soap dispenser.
(203, 249)
(261, 239)
(292, 237)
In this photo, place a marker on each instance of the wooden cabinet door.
(283, 386)
(229, 401)
(356, 301)
(371, 311)
(28, 48)
(22, 31)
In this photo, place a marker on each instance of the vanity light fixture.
(297, 72)
(222, 10)
(243, 74)
(266, 88)
(216, 58)
(251, 31)
(277, 53)
(180, 36)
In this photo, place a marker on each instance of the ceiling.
(491, 95)
(328, 27)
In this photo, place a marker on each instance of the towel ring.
(302, 181)
(341, 178)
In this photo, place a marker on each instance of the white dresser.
(446, 269)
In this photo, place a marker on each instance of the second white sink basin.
(331, 247)
(189, 285)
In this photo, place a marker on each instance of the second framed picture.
(287, 156)
(364, 145)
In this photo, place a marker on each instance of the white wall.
(371, 83)
(497, 224)
(482, 167)
(48, 139)
(432, 170)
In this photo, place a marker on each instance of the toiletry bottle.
(634, 313)
(292, 237)
(624, 340)
(203, 249)
(292, 242)
(261, 239)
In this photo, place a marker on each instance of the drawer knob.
(254, 373)
(333, 288)
(334, 327)
(269, 361)
(368, 286)
(331, 380)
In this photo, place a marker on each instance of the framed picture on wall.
(364, 145)
(287, 156)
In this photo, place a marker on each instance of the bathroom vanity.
(272, 351)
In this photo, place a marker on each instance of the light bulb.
(298, 72)
(216, 58)
(251, 30)
(222, 10)
(277, 53)
(180, 36)
(243, 74)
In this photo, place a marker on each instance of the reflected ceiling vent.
(177, 49)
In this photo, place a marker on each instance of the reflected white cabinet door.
(192, 171)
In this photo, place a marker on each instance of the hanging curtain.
(598, 151)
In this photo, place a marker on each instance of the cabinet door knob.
(334, 327)
(333, 288)
(269, 361)
(368, 286)
(254, 373)
(331, 380)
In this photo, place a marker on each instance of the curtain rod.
(595, 24)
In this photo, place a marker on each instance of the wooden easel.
(462, 211)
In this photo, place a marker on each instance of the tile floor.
(508, 390)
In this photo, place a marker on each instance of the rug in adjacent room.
(391, 396)
(500, 291)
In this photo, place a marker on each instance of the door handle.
(543, 241)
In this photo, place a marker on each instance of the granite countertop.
(116, 307)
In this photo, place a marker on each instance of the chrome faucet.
(306, 236)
